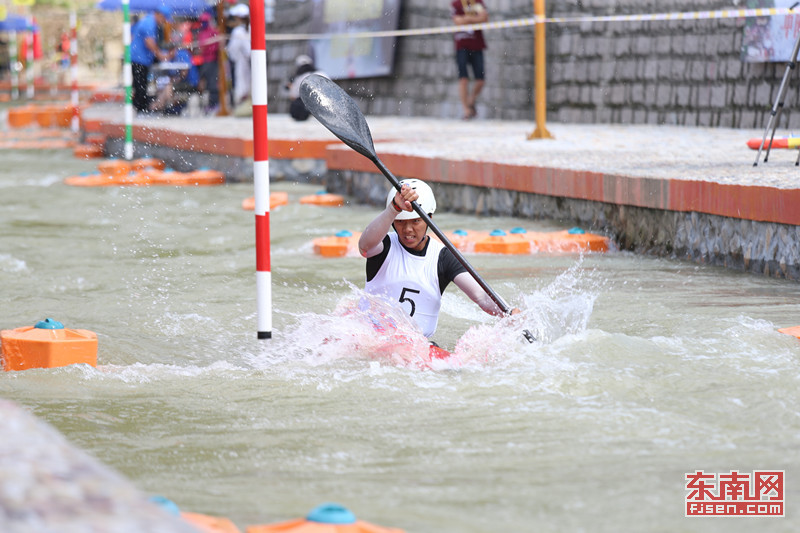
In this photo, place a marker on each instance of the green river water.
(647, 369)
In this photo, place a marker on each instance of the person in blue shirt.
(145, 51)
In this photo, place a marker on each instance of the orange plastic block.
(53, 116)
(302, 525)
(202, 177)
(566, 242)
(19, 117)
(338, 245)
(498, 242)
(323, 199)
(465, 240)
(87, 151)
(105, 180)
(147, 162)
(275, 199)
(115, 167)
(210, 524)
(63, 116)
(794, 331)
(31, 347)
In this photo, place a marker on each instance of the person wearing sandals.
(469, 51)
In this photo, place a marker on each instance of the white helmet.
(426, 200)
(240, 11)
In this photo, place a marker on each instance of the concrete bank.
(687, 193)
(46, 484)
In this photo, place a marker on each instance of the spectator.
(145, 51)
(208, 37)
(304, 66)
(176, 85)
(239, 53)
(469, 51)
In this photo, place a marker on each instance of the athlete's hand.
(404, 197)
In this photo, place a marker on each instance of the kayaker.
(408, 266)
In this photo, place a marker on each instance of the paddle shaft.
(459, 256)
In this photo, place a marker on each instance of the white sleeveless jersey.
(413, 281)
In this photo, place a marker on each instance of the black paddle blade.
(338, 112)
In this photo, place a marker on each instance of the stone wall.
(669, 72)
(758, 247)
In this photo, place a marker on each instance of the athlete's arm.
(371, 241)
(471, 288)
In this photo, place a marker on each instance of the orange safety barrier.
(324, 199)
(276, 199)
(114, 167)
(794, 331)
(64, 116)
(147, 162)
(19, 117)
(341, 244)
(88, 151)
(203, 177)
(568, 241)
(47, 345)
(45, 116)
(326, 518)
(465, 240)
(116, 175)
(210, 524)
(94, 180)
(499, 242)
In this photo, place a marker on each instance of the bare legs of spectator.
(468, 99)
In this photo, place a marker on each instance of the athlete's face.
(411, 232)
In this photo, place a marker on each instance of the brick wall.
(678, 72)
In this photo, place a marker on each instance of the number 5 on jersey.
(404, 298)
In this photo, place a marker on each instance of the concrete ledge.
(766, 204)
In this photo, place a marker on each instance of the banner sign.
(345, 54)
(770, 39)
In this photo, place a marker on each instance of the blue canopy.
(178, 7)
(15, 23)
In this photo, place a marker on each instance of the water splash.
(561, 308)
(9, 263)
(368, 328)
(362, 326)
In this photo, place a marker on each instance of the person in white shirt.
(238, 50)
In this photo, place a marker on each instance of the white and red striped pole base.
(258, 67)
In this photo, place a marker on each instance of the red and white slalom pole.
(73, 69)
(258, 90)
